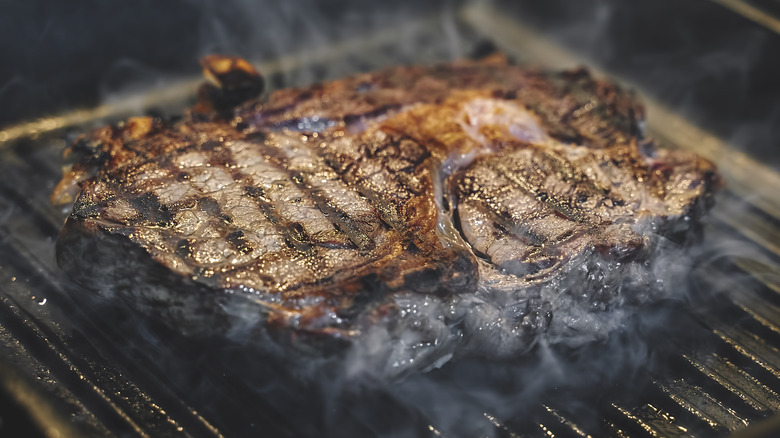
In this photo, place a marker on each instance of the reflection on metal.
(703, 405)
(47, 420)
(736, 381)
(750, 301)
(131, 104)
(750, 345)
(652, 420)
(752, 13)
(767, 274)
(499, 426)
(570, 425)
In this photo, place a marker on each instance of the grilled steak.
(414, 212)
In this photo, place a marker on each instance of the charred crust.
(213, 208)
(149, 207)
(239, 241)
(232, 81)
(483, 48)
(84, 208)
(184, 249)
(363, 145)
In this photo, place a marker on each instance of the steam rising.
(468, 397)
(590, 342)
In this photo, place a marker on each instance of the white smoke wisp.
(603, 310)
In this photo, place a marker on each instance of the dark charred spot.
(297, 178)
(210, 206)
(83, 208)
(426, 280)
(500, 229)
(84, 147)
(184, 249)
(210, 145)
(185, 203)
(148, 205)
(255, 192)
(99, 159)
(483, 48)
(232, 81)
(365, 293)
(239, 241)
(256, 137)
(297, 232)
(351, 119)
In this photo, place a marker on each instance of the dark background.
(715, 67)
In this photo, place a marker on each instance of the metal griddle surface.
(709, 364)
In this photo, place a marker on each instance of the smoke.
(238, 383)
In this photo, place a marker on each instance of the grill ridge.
(707, 392)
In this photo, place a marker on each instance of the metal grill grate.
(87, 368)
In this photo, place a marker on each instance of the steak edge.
(432, 210)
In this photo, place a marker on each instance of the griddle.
(705, 362)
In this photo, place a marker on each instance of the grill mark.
(221, 156)
(386, 209)
(340, 219)
(218, 156)
(239, 241)
(572, 173)
(557, 204)
(524, 234)
(489, 203)
(212, 207)
(294, 233)
(295, 237)
(634, 166)
(149, 207)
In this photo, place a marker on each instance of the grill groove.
(116, 389)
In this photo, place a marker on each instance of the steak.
(410, 214)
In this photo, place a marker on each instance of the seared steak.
(420, 209)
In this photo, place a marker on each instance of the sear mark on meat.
(414, 213)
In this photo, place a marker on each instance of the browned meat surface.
(420, 208)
